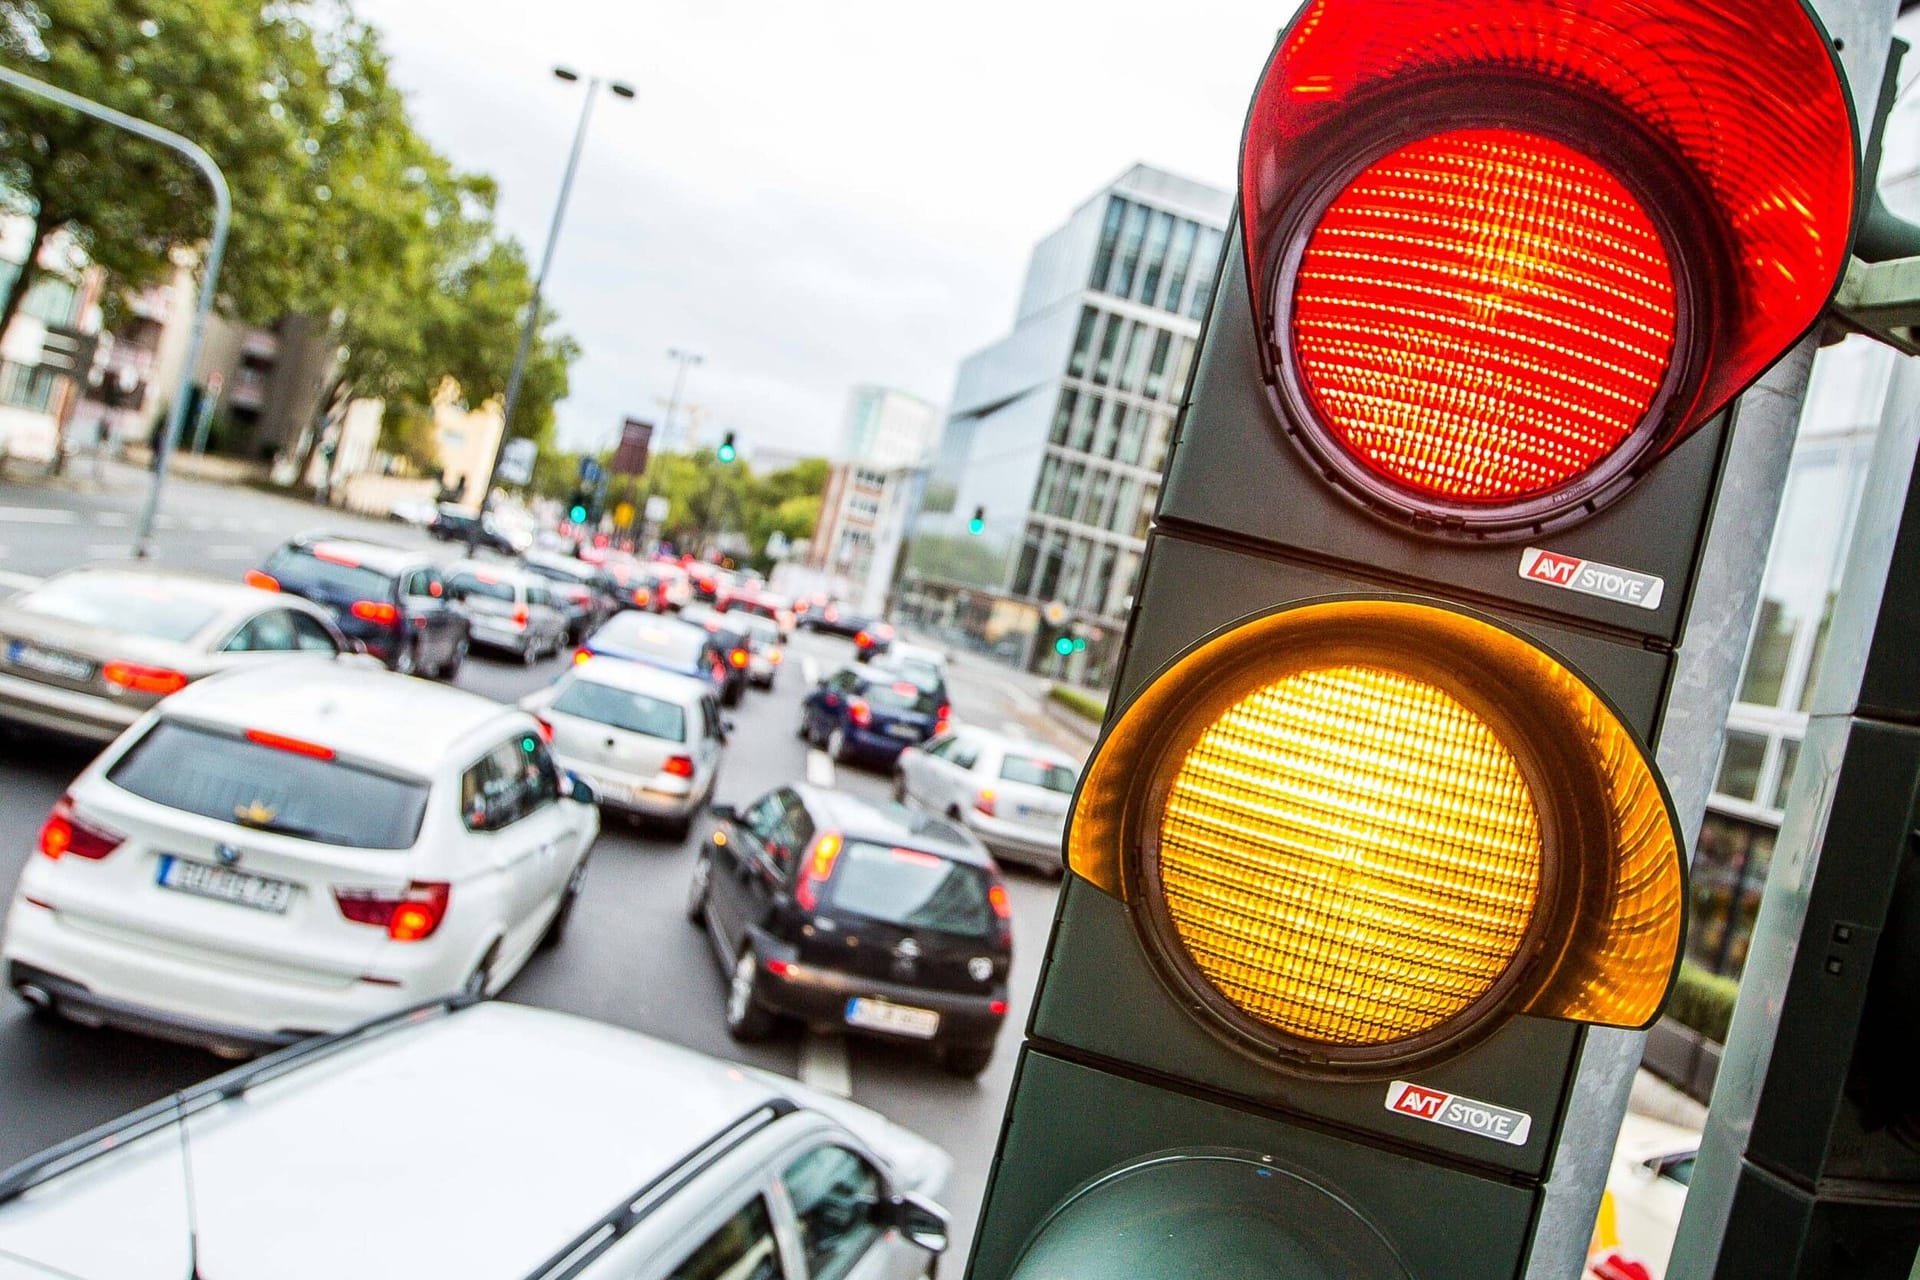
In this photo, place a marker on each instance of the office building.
(886, 428)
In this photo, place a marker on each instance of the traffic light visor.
(1364, 832)
(1506, 252)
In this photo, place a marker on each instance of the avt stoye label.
(1590, 577)
(1456, 1112)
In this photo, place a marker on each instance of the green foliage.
(1703, 1001)
(406, 431)
(1080, 702)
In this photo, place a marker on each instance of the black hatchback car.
(390, 599)
(863, 919)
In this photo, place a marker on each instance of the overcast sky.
(811, 193)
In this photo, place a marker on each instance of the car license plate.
(237, 887)
(907, 731)
(884, 1015)
(1041, 813)
(47, 662)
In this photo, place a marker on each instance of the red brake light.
(333, 555)
(738, 657)
(131, 675)
(984, 801)
(678, 766)
(298, 746)
(544, 729)
(581, 655)
(65, 833)
(264, 581)
(816, 872)
(861, 712)
(918, 857)
(1484, 315)
(641, 597)
(862, 639)
(997, 897)
(375, 611)
(407, 917)
(520, 616)
(998, 1008)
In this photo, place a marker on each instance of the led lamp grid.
(1350, 855)
(1484, 315)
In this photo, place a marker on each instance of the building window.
(1084, 415)
(1099, 485)
(26, 387)
(1127, 261)
(1124, 584)
(1100, 580)
(1083, 343)
(1156, 258)
(1103, 367)
(1178, 260)
(1729, 872)
(1157, 367)
(1742, 755)
(1049, 570)
(1061, 416)
(1206, 263)
(1126, 507)
(1103, 440)
(1109, 234)
(1159, 435)
(1147, 498)
(1049, 480)
(1073, 484)
(1029, 560)
(1133, 434)
(1076, 567)
(1134, 366)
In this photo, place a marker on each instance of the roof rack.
(581, 1251)
(155, 1116)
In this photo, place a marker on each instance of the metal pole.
(683, 358)
(533, 307)
(222, 213)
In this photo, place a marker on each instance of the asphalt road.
(629, 958)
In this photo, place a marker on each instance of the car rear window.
(903, 695)
(912, 888)
(623, 709)
(677, 642)
(466, 584)
(298, 569)
(223, 776)
(126, 603)
(1035, 772)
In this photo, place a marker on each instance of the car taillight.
(296, 746)
(641, 597)
(861, 712)
(140, 679)
(264, 581)
(998, 1008)
(520, 616)
(984, 801)
(678, 766)
(408, 916)
(581, 655)
(816, 872)
(943, 719)
(738, 657)
(862, 639)
(66, 833)
(773, 656)
(544, 728)
(378, 612)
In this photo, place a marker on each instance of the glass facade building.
(1058, 432)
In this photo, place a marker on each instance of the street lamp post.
(683, 359)
(532, 323)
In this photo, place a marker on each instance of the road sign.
(623, 515)
(1373, 837)
(591, 472)
(630, 458)
(516, 462)
(658, 508)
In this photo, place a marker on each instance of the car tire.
(531, 654)
(837, 745)
(697, 890)
(965, 1060)
(407, 661)
(450, 671)
(899, 787)
(747, 1021)
(679, 828)
(557, 927)
(805, 731)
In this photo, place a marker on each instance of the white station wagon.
(260, 859)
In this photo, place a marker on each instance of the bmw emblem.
(228, 855)
(981, 968)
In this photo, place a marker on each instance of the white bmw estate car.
(259, 859)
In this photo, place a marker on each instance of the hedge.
(1703, 1001)
(1080, 702)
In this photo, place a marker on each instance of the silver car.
(490, 1140)
(88, 652)
(508, 608)
(648, 741)
(764, 654)
(1010, 793)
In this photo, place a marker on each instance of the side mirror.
(579, 789)
(724, 812)
(922, 1222)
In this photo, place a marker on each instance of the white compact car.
(1011, 794)
(649, 741)
(486, 1141)
(259, 859)
(1646, 1191)
(764, 654)
(509, 608)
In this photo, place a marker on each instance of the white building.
(887, 428)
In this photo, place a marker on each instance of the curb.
(1078, 725)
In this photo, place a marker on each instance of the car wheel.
(965, 1060)
(805, 732)
(406, 662)
(455, 660)
(747, 1021)
(697, 889)
(530, 654)
(557, 927)
(837, 745)
(477, 982)
(678, 828)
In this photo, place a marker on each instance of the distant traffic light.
(726, 452)
(1373, 834)
(978, 524)
(577, 513)
(577, 505)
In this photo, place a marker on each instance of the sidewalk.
(85, 473)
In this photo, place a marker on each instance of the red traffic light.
(1504, 253)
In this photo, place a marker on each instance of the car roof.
(499, 570)
(893, 824)
(477, 1143)
(352, 709)
(564, 563)
(377, 556)
(638, 677)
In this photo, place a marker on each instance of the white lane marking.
(824, 1064)
(809, 669)
(1021, 698)
(1014, 729)
(38, 515)
(263, 525)
(819, 768)
(231, 524)
(105, 551)
(166, 522)
(112, 519)
(19, 581)
(229, 551)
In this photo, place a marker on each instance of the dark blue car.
(667, 643)
(870, 715)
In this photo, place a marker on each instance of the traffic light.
(1372, 836)
(726, 452)
(577, 506)
(978, 525)
(1063, 645)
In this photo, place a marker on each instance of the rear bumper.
(878, 746)
(630, 794)
(498, 637)
(1012, 843)
(820, 998)
(80, 715)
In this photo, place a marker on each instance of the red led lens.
(1483, 315)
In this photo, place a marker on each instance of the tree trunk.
(333, 399)
(43, 226)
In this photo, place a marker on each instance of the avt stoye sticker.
(1456, 1112)
(1590, 577)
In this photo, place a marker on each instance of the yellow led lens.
(1350, 855)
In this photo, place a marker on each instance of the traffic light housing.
(577, 506)
(1372, 834)
(726, 452)
(978, 524)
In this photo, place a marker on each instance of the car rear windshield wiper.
(280, 828)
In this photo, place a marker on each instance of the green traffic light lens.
(976, 527)
(1063, 646)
